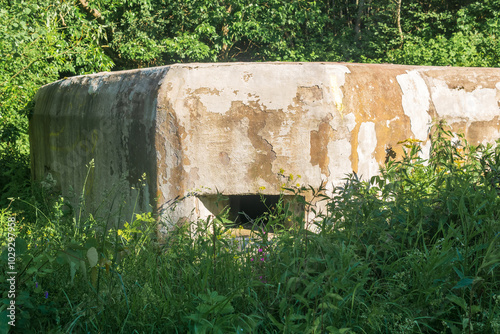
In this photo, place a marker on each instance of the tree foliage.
(39, 42)
(42, 41)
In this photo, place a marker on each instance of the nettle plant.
(430, 231)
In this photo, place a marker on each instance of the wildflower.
(260, 250)
(36, 284)
(409, 140)
(262, 188)
(262, 259)
(251, 259)
(46, 294)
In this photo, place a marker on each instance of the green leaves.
(40, 43)
(92, 256)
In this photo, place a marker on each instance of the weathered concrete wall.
(233, 127)
(108, 117)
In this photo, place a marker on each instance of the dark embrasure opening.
(245, 210)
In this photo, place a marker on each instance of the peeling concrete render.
(233, 128)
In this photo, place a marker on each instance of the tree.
(39, 42)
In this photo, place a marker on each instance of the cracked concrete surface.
(203, 128)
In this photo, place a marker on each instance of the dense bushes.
(415, 250)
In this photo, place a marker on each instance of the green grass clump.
(414, 250)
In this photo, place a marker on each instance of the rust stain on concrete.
(170, 156)
(477, 131)
(224, 158)
(375, 96)
(206, 90)
(309, 95)
(319, 145)
(468, 79)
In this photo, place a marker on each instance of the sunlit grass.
(415, 250)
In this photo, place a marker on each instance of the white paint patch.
(267, 84)
(350, 121)
(458, 104)
(415, 101)
(367, 143)
(426, 150)
(339, 152)
(337, 94)
(286, 127)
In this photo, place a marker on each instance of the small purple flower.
(262, 259)
(251, 259)
(36, 284)
(46, 294)
(260, 250)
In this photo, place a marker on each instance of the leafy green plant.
(413, 250)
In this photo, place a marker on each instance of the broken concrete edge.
(233, 127)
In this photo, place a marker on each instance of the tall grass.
(414, 250)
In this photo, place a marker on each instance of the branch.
(109, 30)
(399, 20)
(94, 12)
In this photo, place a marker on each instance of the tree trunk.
(357, 27)
(94, 12)
(398, 19)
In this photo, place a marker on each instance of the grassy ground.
(415, 250)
